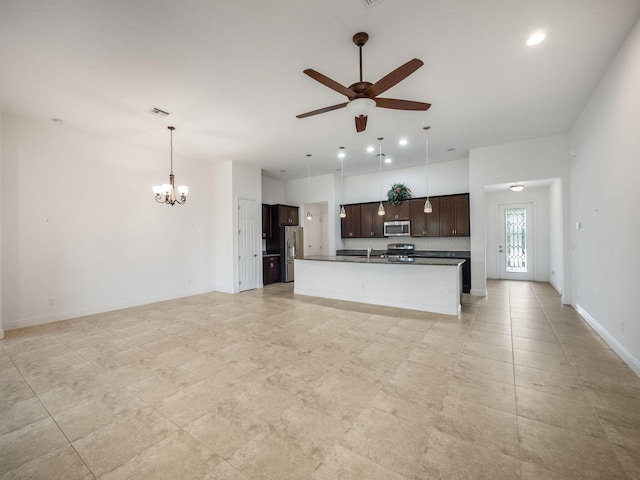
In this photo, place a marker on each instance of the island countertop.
(377, 259)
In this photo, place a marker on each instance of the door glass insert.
(515, 221)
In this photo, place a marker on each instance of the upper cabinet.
(371, 224)
(454, 216)
(350, 225)
(397, 212)
(425, 224)
(287, 215)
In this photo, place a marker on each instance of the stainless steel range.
(399, 252)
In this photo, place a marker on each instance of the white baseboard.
(622, 352)
(59, 316)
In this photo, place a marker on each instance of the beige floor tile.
(536, 334)
(490, 327)
(165, 383)
(448, 457)
(471, 368)
(272, 456)
(62, 463)
(421, 384)
(342, 463)
(630, 460)
(439, 342)
(419, 414)
(622, 427)
(28, 443)
(489, 337)
(539, 346)
(226, 471)
(541, 361)
(95, 413)
(116, 443)
(488, 393)
(560, 411)
(536, 472)
(486, 350)
(17, 414)
(567, 453)
(483, 426)
(425, 356)
(69, 395)
(177, 456)
(550, 382)
(393, 442)
(342, 396)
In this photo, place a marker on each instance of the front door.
(516, 252)
(248, 244)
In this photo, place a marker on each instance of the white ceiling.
(230, 72)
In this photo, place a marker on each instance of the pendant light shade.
(381, 207)
(427, 204)
(343, 213)
(517, 187)
(341, 155)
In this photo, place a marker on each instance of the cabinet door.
(397, 212)
(425, 224)
(350, 225)
(418, 220)
(267, 217)
(371, 224)
(462, 215)
(447, 217)
(294, 216)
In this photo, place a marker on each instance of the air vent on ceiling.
(158, 112)
(370, 3)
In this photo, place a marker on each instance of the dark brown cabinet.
(371, 224)
(267, 221)
(425, 224)
(397, 212)
(454, 216)
(287, 215)
(270, 269)
(350, 225)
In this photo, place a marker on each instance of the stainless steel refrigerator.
(291, 246)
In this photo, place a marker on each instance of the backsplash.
(421, 243)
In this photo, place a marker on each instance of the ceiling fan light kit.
(363, 95)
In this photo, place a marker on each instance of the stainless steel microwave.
(399, 228)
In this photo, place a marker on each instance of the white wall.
(604, 197)
(539, 197)
(81, 231)
(233, 180)
(538, 159)
(273, 191)
(1, 269)
(556, 236)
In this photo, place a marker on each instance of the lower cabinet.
(270, 269)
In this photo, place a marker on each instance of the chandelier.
(166, 193)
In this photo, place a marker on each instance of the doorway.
(248, 268)
(516, 248)
(316, 235)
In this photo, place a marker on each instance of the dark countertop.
(417, 253)
(377, 259)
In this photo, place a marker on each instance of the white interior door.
(248, 267)
(516, 252)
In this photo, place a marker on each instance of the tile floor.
(268, 385)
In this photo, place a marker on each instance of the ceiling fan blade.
(401, 104)
(361, 124)
(322, 110)
(332, 84)
(393, 78)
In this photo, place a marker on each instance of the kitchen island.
(427, 284)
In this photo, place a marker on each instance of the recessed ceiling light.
(403, 141)
(371, 149)
(536, 38)
(388, 160)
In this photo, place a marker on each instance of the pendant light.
(166, 193)
(343, 212)
(309, 217)
(518, 187)
(427, 204)
(381, 207)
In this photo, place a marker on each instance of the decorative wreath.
(398, 193)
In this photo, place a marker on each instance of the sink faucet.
(369, 250)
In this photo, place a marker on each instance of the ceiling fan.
(362, 95)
